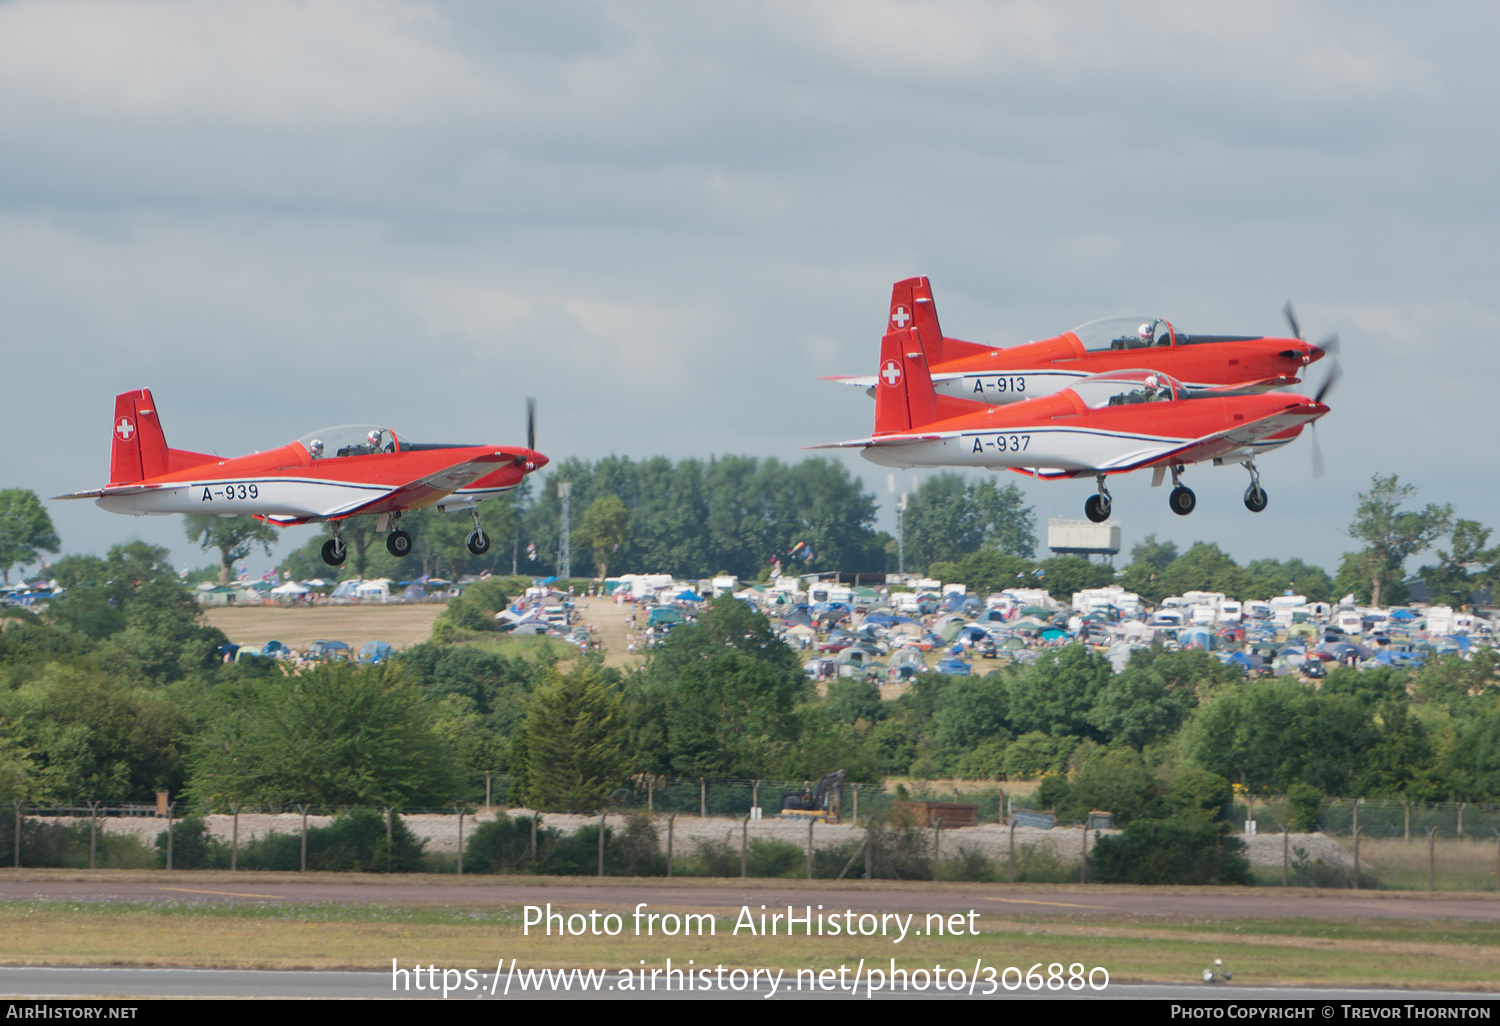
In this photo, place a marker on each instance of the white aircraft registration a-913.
(328, 475)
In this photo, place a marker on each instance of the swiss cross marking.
(891, 372)
(124, 429)
(899, 317)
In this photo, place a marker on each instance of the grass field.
(1382, 953)
(299, 626)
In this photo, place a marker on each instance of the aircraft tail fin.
(904, 397)
(139, 449)
(912, 306)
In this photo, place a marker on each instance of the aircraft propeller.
(531, 423)
(1330, 348)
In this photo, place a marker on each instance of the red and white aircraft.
(329, 475)
(1102, 424)
(968, 370)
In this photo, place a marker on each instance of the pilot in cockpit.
(315, 448)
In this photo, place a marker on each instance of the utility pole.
(564, 543)
(901, 533)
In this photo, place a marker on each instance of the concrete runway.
(116, 983)
(988, 899)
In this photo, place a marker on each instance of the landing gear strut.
(1097, 507)
(334, 549)
(1255, 495)
(1182, 500)
(479, 542)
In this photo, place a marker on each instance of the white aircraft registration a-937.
(1109, 423)
(327, 475)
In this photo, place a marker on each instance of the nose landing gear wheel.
(1255, 498)
(479, 542)
(398, 543)
(334, 552)
(1182, 500)
(1096, 508)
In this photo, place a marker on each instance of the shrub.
(66, 846)
(503, 845)
(353, 842)
(193, 847)
(1305, 801)
(1169, 852)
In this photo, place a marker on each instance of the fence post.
(1460, 821)
(745, 846)
(1012, 849)
(1286, 852)
(170, 807)
(702, 797)
(810, 823)
(755, 794)
(303, 809)
(602, 813)
(533, 838)
(650, 794)
(1083, 865)
(93, 832)
(487, 790)
(671, 822)
(18, 833)
(856, 805)
(234, 839)
(869, 857)
(1407, 829)
(937, 847)
(1431, 857)
(460, 808)
(1354, 830)
(1356, 854)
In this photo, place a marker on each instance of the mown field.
(1259, 951)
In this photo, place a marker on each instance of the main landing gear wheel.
(1255, 498)
(1182, 500)
(479, 542)
(398, 544)
(1096, 508)
(335, 552)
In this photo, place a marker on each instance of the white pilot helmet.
(1147, 331)
(1153, 382)
(316, 448)
(374, 436)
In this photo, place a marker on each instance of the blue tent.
(688, 596)
(375, 651)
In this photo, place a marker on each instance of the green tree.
(1137, 706)
(718, 698)
(1391, 534)
(25, 530)
(234, 537)
(947, 519)
(332, 735)
(1269, 577)
(1056, 694)
(571, 750)
(603, 529)
(1451, 581)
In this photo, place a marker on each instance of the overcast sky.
(666, 221)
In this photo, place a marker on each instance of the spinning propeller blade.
(530, 423)
(1291, 318)
(1334, 373)
(1317, 452)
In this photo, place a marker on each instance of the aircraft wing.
(887, 440)
(424, 491)
(1277, 382)
(115, 490)
(1197, 450)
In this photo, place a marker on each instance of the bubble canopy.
(1125, 333)
(349, 440)
(1127, 387)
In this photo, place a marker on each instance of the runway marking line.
(1059, 904)
(230, 894)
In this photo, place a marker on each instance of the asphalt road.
(947, 898)
(116, 983)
